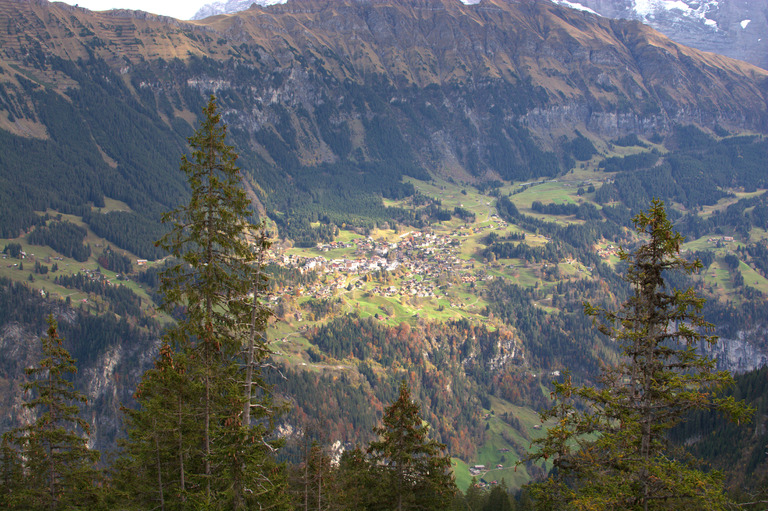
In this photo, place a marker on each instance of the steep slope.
(475, 92)
(736, 28)
(572, 56)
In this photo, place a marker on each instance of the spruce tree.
(216, 406)
(51, 466)
(153, 469)
(413, 472)
(608, 443)
(355, 483)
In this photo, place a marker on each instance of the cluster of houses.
(608, 251)
(425, 256)
(722, 239)
(476, 470)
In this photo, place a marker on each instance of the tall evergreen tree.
(614, 454)
(313, 480)
(54, 468)
(355, 482)
(414, 474)
(215, 405)
(11, 479)
(498, 499)
(153, 469)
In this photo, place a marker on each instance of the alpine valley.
(445, 184)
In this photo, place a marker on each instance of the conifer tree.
(355, 482)
(11, 479)
(313, 482)
(153, 469)
(217, 407)
(54, 468)
(498, 499)
(414, 474)
(614, 454)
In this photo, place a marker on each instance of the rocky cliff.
(736, 28)
(456, 81)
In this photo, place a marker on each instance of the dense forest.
(737, 450)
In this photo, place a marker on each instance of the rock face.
(108, 380)
(742, 353)
(572, 64)
(735, 28)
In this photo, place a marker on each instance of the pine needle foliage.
(410, 467)
(50, 465)
(608, 442)
(200, 437)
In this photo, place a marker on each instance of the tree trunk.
(157, 463)
(250, 360)
(51, 463)
(182, 482)
(209, 346)
(306, 483)
(250, 355)
(207, 429)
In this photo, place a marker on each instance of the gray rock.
(734, 28)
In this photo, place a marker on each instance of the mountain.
(469, 92)
(230, 7)
(361, 93)
(413, 160)
(533, 67)
(736, 28)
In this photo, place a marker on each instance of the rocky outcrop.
(461, 83)
(735, 28)
(742, 353)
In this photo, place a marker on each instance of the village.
(418, 258)
(417, 264)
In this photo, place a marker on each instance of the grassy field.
(722, 204)
(66, 266)
(113, 205)
(503, 448)
(452, 195)
(752, 278)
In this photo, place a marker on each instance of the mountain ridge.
(564, 53)
(736, 28)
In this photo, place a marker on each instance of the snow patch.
(231, 6)
(647, 9)
(574, 5)
(744, 23)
